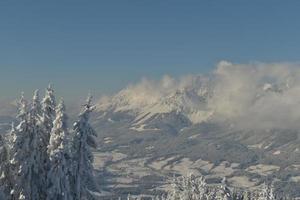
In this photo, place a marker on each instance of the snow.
(200, 116)
(262, 169)
(159, 164)
(133, 168)
(186, 167)
(108, 140)
(100, 194)
(149, 147)
(295, 167)
(146, 104)
(256, 146)
(193, 136)
(224, 169)
(269, 145)
(241, 181)
(82, 155)
(141, 128)
(27, 151)
(267, 86)
(110, 120)
(182, 166)
(101, 158)
(57, 150)
(295, 179)
(277, 152)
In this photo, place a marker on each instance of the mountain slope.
(186, 105)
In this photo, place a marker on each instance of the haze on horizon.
(102, 46)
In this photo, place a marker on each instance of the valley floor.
(121, 174)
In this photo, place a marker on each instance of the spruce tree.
(224, 193)
(47, 116)
(39, 147)
(5, 175)
(267, 193)
(58, 176)
(82, 156)
(19, 150)
(188, 188)
(48, 108)
(26, 151)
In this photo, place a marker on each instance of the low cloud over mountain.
(246, 96)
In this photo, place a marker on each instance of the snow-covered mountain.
(232, 94)
(187, 104)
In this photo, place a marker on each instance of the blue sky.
(102, 45)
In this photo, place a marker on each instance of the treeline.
(41, 158)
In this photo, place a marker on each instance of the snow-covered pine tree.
(19, 149)
(271, 194)
(211, 194)
(83, 140)
(48, 108)
(267, 193)
(39, 146)
(5, 175)
(200, 188)
(247, 195)
(188, 188)
(237, 194)
(224, 192)
(25, 151)
(48, 115)
(58, 180)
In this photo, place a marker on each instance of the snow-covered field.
(263, 170)
(241, 181)
(126, 172)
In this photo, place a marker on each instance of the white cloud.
(255, 96)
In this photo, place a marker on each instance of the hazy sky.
(103, 45)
